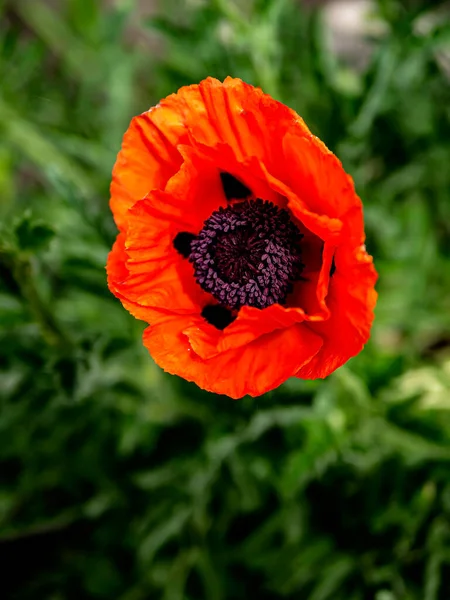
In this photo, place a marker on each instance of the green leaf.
(33, 235)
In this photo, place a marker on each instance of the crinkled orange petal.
(316, 175)
(327, 228)
(117, 272)
(311, 294)
(147, 160)
(197, 188)
(239, 115)
(253, 369)
(351, 300)
(156, 276)
(248, 170)
(250, 324)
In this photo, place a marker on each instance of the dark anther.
(219, 316)
(233, 188)
(248, 254)
(333, 267)
(182, 242)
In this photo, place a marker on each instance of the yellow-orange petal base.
(167, 180)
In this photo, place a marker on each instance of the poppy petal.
(197, 187)
(250, 324)
(147, 160)
(311, 294)
(117, 272)
(257, 367)
(316, 175)
(237, 114)
(156, 275)
(248, 171)
(351, 300)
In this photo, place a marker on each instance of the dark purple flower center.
(248, 254)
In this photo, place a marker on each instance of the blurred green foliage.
(118, 481)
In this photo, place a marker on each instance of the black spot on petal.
(233, 188)
(333, 268)
(182, 242)
(217, 315)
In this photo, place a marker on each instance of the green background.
(121, 482)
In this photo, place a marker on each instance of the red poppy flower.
(241, 241)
